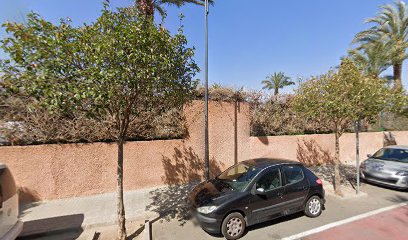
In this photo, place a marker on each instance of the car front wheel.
(313, 207)
(233, 226)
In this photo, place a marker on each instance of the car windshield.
(392, 154)
(239, 176)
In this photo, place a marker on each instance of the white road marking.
(344, 221)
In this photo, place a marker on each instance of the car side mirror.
(369, 155)
(260, 191)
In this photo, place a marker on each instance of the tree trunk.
(120, 204)
(146, 8)
(397, 69)
(276, 91)
(337, 186)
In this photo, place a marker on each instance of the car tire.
(233, 226)
(313, 207)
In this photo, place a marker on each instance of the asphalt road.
(336, 209)
(392, 224)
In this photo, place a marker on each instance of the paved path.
(336, 210)
(389, 225)
(76, 214)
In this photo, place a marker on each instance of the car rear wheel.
(313, 207)
(233, 226)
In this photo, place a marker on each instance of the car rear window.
(7, 185)
(293, 174)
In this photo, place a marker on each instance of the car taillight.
(319, 181)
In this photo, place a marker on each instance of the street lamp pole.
(206, 154)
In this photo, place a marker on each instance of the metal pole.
(357, 129)
(206, 154)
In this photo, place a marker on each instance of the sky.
(248, 40)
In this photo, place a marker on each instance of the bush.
(276, 116)
(25, 122)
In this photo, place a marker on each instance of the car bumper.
(14, 232)
(210, 224)
(399, 182)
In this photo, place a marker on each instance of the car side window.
(270, 180)
(293, 174)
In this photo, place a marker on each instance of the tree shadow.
(326, 172)
(310, 153)
(181, 173)
(389, 139)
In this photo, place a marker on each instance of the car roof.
(267, 162)
(397, 147)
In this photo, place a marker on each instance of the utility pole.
(207, 152)
(357, 129)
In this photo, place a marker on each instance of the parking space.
(392, 224)
(336, 210)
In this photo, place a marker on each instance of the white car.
(10, 226)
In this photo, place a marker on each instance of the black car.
(255, 191)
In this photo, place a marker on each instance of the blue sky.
(248, 39)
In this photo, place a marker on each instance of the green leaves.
(276, 81)
(385, 43)
(122, 65)
(342, 97)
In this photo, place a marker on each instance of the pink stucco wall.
(293, 147)
(70, 170)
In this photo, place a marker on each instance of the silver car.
(388, 167)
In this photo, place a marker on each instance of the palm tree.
(276, 81)
(148, 7)
(390, 28)
(372, 59)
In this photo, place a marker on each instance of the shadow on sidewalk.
(182, 172)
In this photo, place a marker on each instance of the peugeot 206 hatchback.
(255, 191)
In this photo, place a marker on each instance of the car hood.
(378, 165)
(211, 192)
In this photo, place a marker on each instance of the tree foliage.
(148, 7)
(277, 81)
(390, 28)
(120, 67)
(372, 59)
(341, 98)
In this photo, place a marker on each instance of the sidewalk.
(85, 212)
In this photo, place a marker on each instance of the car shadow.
(385, 187)
(265, 224)
(274, 222)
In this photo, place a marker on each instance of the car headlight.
(206, 209)
(402, 173)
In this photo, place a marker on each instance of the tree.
(341, 98)
(372, 59)
(276, 81)
(390, 28)
(121, 66)
(148, 7)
